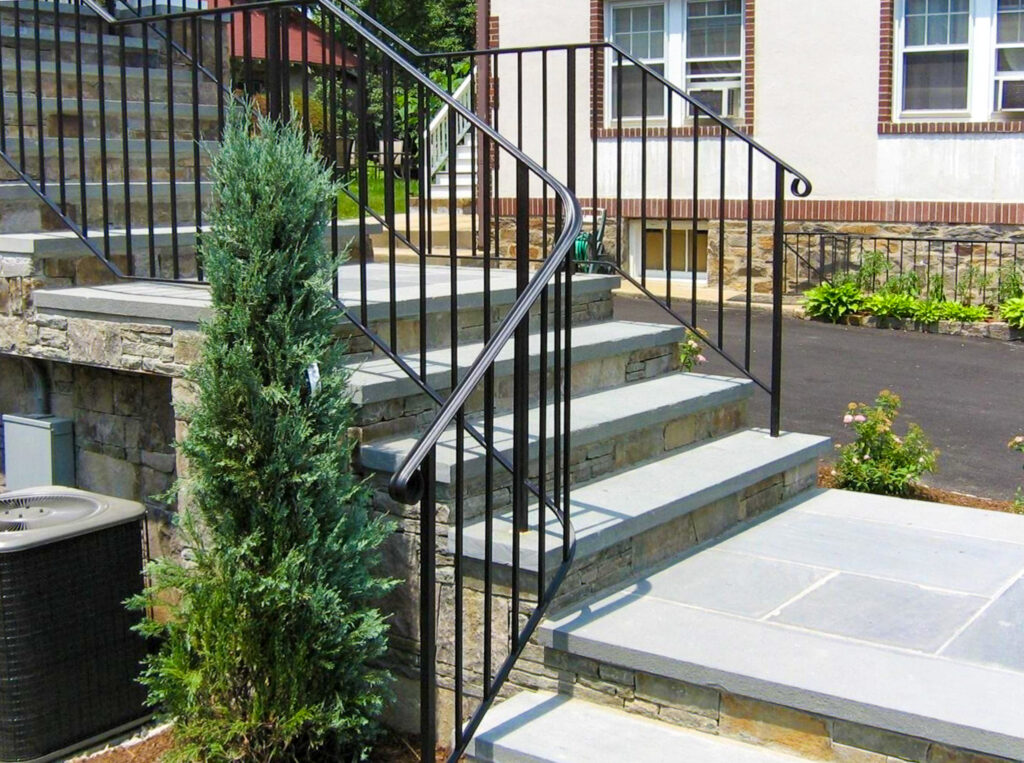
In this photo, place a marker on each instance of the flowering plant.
(690, 352)
(879, 460)
(1017, 444)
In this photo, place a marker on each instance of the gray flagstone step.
(627, 504)
(540, 727)
(596, 417)
(877, 623)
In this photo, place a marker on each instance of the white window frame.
(981, 67)
(674, 60)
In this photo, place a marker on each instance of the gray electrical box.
(39, 449)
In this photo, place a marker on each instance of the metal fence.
(977, 270)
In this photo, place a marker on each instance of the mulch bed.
(933, 494)
(393, 748)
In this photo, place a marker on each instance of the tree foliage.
(266, 654)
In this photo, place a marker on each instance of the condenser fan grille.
(35, 511)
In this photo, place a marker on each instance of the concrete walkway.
(965, 393)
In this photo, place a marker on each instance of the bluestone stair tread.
(540, 727)
(69, 106)
(15, 190)
(381, 379)
(55, 243)
(596, 416)
(630, 502)
(469, 286)
(111, 72)
(67, 37)
(850, 606)
(158, 148)
(188, 303)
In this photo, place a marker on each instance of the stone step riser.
(134, 90)
(27, 216)
(88, 53)
(86, 270)
(409, 413)
(158, 169)
(438, 204)
(438, 241)
(712, 710)
(66, 124)
(611, 454)
(27, 19)
(596, 307)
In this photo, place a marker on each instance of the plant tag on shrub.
(313, 374)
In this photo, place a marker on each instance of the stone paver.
(942, 560)
(848, 606)
(735, 583)
(996, 637)
(883, 611)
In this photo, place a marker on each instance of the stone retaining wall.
(980, 329)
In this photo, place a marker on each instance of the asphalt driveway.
(967, 394)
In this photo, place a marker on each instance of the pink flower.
(859, 417)
(701, 359)
(847, 419)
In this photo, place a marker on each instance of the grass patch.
(348, 207)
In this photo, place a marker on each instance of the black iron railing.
(671, 171)
(942, 268)
(114, 138)
(112, 131)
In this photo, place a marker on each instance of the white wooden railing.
(438, 132)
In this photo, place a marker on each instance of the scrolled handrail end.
(407, 490)
(801, 186)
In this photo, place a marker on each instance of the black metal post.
(777, 262)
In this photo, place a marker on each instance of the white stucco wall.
(816, 106)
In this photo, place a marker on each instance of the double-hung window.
(640, 31)
(695, 44)
(714, 45)
(1009, 89)
(959, 59)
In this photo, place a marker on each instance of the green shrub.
(1012, 311)
(891, 305)
(972, 282)
(1017, 444)
(909, 283)
(833, 301)
(954, 311)
(872, 272)
(272, 632)
(879, 460)
(1011, 282)
(936, 290)
(927, 311)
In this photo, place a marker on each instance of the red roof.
(318, 49)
